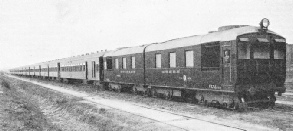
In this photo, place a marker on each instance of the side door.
(58, 71)
(93, 69)
(40, 70)
(101, 69)
(226, 64)
(86, 70)
(48, 71)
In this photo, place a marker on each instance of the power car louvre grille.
(262, 40)
(244, 39)
(280, 40)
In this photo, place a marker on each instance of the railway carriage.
(124, 68)
(94, 67)
(72, 68)
(234, 66)
(86, 68)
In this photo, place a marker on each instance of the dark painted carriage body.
(197, 77)
(117, 75)
(211, 71)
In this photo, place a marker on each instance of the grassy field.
(19, 112)
(25, 106)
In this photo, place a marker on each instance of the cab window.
(243, 51)
(279, 50)
(261, 50)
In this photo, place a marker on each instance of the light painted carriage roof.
(226, 35)
(53, 63)
(80, 59)
(126, 51)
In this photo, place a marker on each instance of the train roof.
(226, 35)
(80, 59)
(126, 50)
(222, 35)
(64, 61)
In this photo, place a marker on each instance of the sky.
(33, 31)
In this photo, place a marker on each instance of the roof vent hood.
(229, 27)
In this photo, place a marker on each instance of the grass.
(20, 112)
(55, 111)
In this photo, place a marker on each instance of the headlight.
(264, 23)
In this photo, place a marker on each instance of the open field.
(28, 106)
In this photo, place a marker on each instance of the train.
(235, 67)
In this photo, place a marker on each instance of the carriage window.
(261, 51)
(279, 51)
(210, 55)
(172, 60)
(109, 63)
(243, 51)
(116, 64)
(124, 63)
(97, 67)
(158, 61)
(189, 59)
(84, 67)
(132, 62)
(105, 65)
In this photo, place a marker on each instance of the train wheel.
(272, 101)
(206, 103)
(194, 100)
(224, 105)
(168, 96)
(154, 93)
(134, 91)
(119, 89)
(149, 92)
(242, 107)
(110, 88)
(236, 106)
